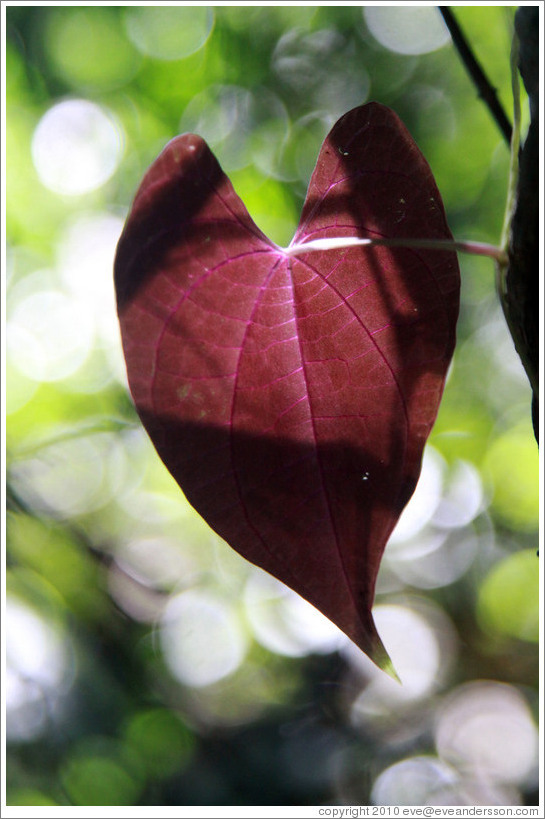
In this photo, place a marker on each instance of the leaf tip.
(387, 666)
(382, 660)
(374, 648)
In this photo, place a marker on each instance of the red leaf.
(291, 397)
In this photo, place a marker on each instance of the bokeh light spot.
(512, 465)
(76, 147)
(164, 744)
(169, 32)
(407, 635)
(160, 562)
(509, 597)
(311, 65)
(433, 558)
(222, 114)
(71, 476)
(422, 505)
(462, 499)
(421, 645)
(88, 48)
(38, 669)
(49, 335)
(285, 623)
(202, 639)
(407, 30)
(100, 774)
(306, 137)
(486, 728)
(241, 127)
(412, 781)
(86, 253)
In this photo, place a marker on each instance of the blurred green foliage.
(146, 663)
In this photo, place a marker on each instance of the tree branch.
(486, 91)
(521, 301)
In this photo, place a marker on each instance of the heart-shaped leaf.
(291, 395)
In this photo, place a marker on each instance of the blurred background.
(147, 664)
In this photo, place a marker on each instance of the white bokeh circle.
(76, 147)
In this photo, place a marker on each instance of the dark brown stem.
(521, 298)
(486, 91)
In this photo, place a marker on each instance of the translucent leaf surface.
(291, 396)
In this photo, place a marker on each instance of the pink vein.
(251, 525)
(364, 328)
(320, 465)
(301, 228)
(185, 295)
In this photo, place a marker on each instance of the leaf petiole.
(333, 242)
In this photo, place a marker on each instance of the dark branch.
(521, 303)
(485, 89)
